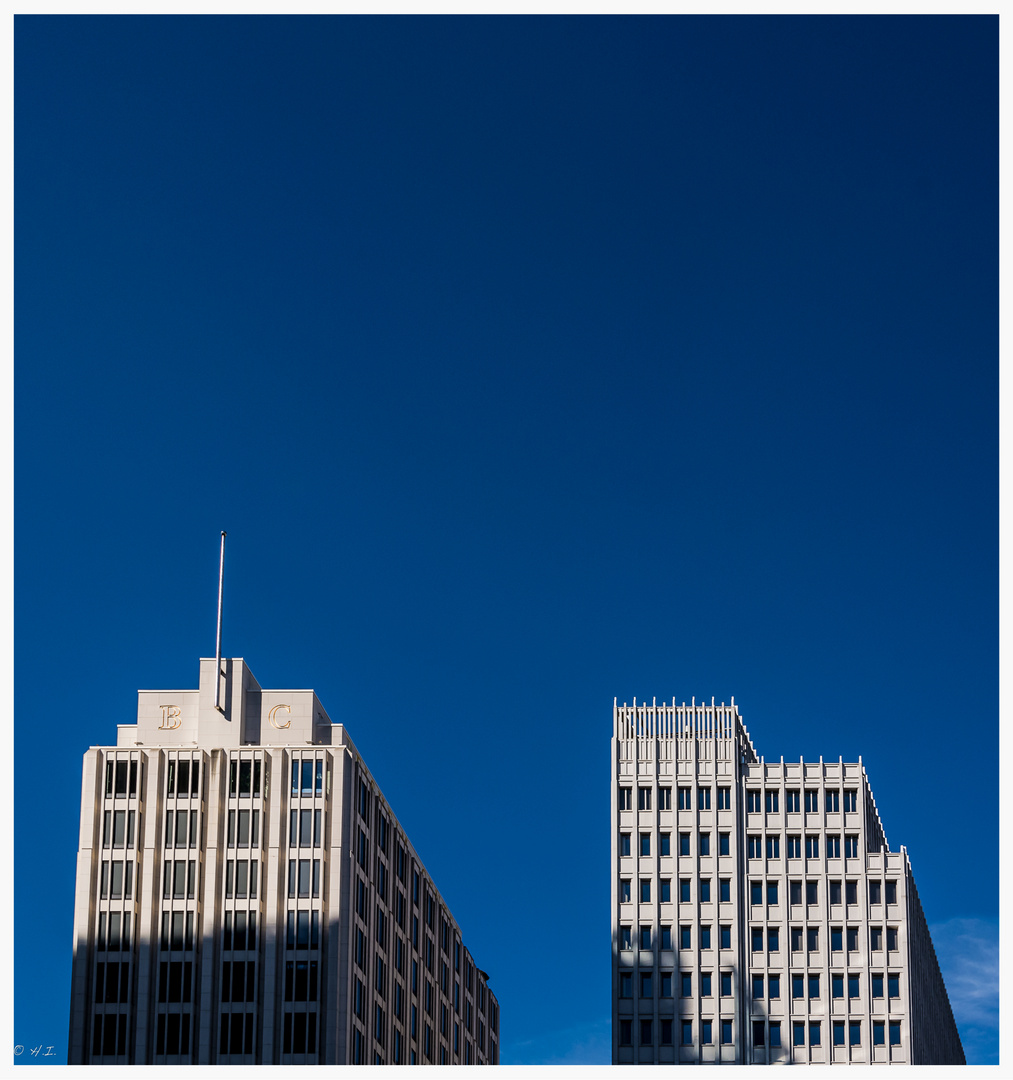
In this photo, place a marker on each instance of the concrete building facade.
(758, 913)
(245, 895)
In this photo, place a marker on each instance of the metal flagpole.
(218, 638)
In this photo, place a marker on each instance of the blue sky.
(528, 363)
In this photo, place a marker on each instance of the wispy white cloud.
(968, 953)
(589, 1043)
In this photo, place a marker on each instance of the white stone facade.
(246, 896)
(758, 914)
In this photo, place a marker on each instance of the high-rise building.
(758, 913)
(245, 895)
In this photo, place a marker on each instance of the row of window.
(121, 779)
(241, 879)
(109, 1035)
(812, 892)
(244, 828)
(758, 801)
(241, 934)
(299, 1033)
(112, 981)
(755, 846)
(244, 778)
(724, 798)
(116, 879)
(307, 778)
(172, 1034)
(303, 930)
(113, 931)
(301, 980)
(175, 979)
(182, 778)
(177, 930)
(666, 981)
(809, 985)
(304, 877)
(179, 878)
(811, 938)
(235, 1034)
(664, 939)
(181, 828)
(764, 1033)
(118, 828)
(304, 828)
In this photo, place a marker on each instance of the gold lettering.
(171, 717)
(274, 723)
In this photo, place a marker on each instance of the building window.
(686, 984)
(685, 798)
(891, 939)
(625, 984)
(770, 802)
(877, 986)
(850, 801)
(773, 847)
(774, 986)
(645, 937)
(798, 986)
(891, 887)
(838, 1033)
(794, 893)
(645, 843)
(773, 940)
(876, 938)
(726, 1032)
(645, 890)
(775, 1033)
(798, 1034)
(756, 893)
(795, 847)
(646, 1038)
(759, 1034)
(855, 1033)
(875, 893)
(687, 1033)
(724, 798)
(812, 801)
(664, 798)
(625, 938)
(755, 847)
(833, 802)
(753, 802)
(725, 890)
(684, 843)
(836, 939)
(646, 988)
(756, 935)
(726, 984)
(837, 986)
(814, 986)
(705, 937)
(644, 798)
(791, 804)
(705, 984)
(853, 986)
(666, 890)
(812, 936)
(705, 1032)
(723, 843)
(757, 987)
(666, 937)
(625, 798)
(666, 984)
(705, 843)
(796, 938)
(665, 843)
(893, 985)
(684, 890)
(666, 1033)
(878, 1033)
(895, 1033)
(852, 933)
(851, 892)
(703, 798)
(726, 936)
(624, 892)
(814, 1033)
(834, 893)
(684, 937)
(625, 1032)
(812, 893)
(833, 846)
